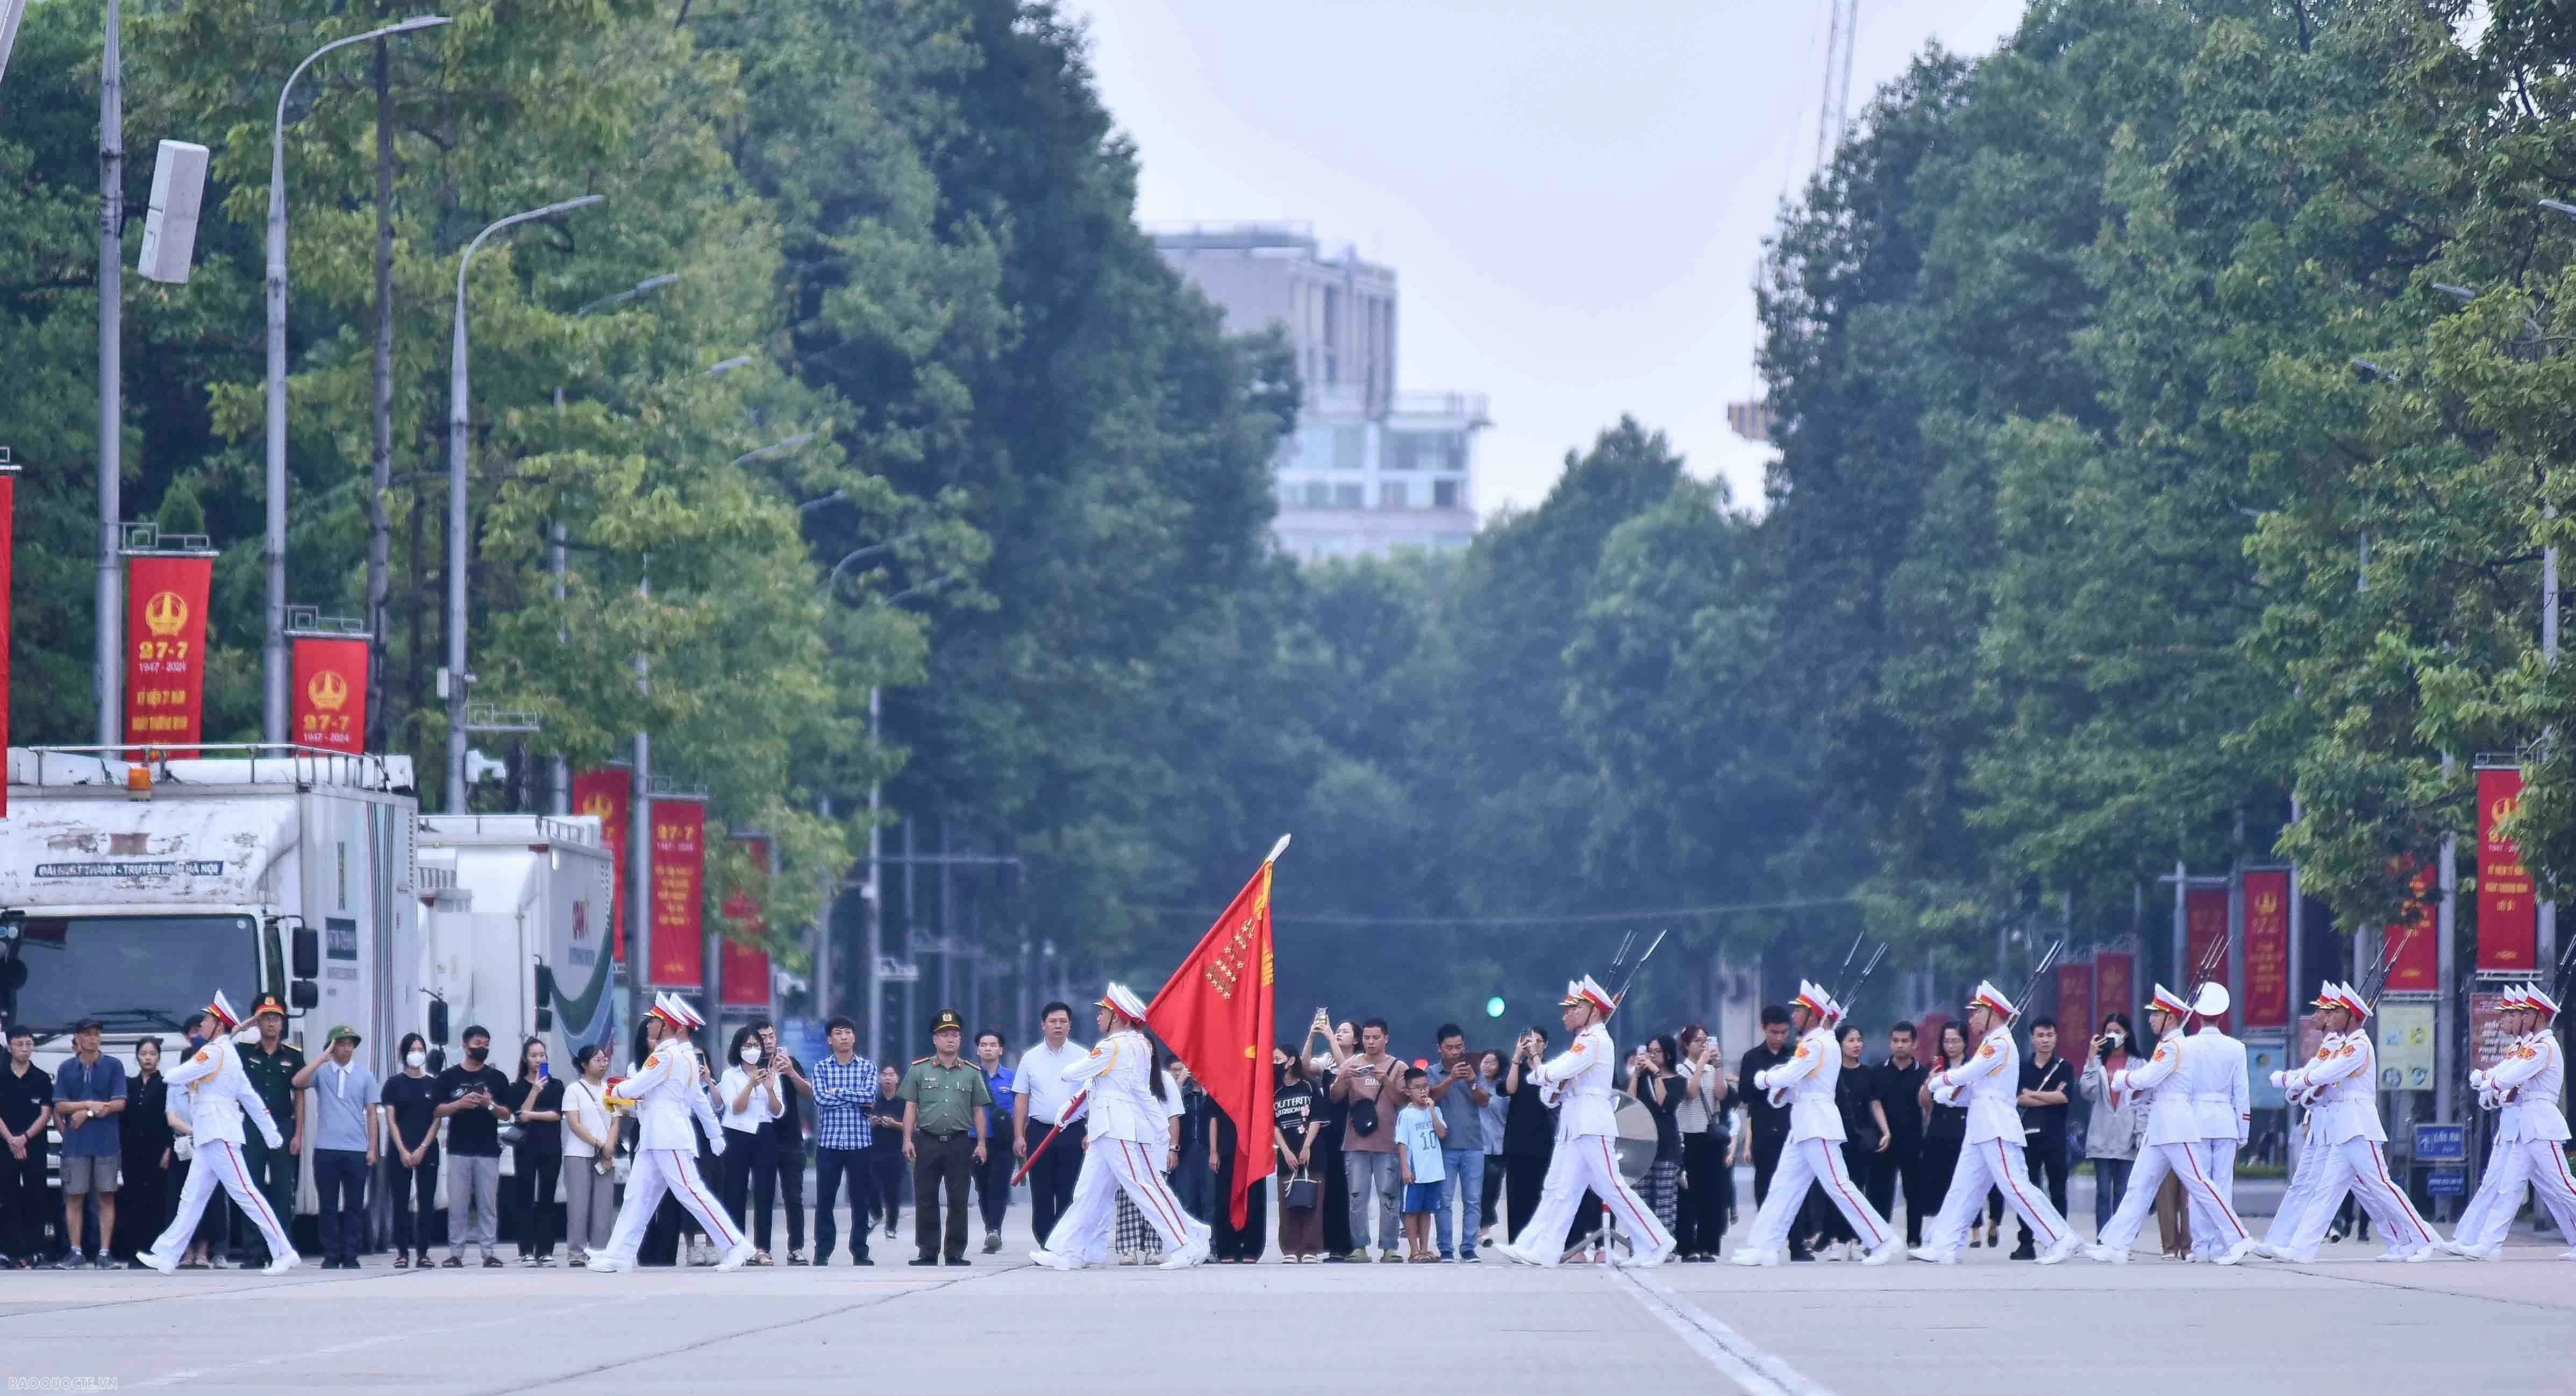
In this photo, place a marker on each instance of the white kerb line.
(1758, 1372)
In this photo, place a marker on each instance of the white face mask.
(416, 1060)
(2116, 1036)
(751, 1054)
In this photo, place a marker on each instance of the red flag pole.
(1072, 1108)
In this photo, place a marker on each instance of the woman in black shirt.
(143, 1137)
(1296, 1132)
(1658, 1087)
(1945, 1127)
(1529, 1132)
(411, 1163)
(1864, 1134)
(535, 1101)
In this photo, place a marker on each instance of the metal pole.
(639, 886)
(2549, 653)
(2290, 1057)
(109, 684)
(558, 564)
(2445, 942)
(876, 900)
(2181, 939)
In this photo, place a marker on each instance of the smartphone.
(545, 1071)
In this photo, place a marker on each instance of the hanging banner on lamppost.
(2075, 1014)
(2508, 916)
(331, 692)
(2267, 949)
(603, 795)
(2115, 983)
(679, 950)
(746, 967)
(2410, 946)
(2204, 940)
(165, 650)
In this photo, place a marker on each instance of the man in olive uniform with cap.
(272, 1063)
(944, 1099)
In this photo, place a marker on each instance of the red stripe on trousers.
(2404, 1207)
(1146, 1179)
(2014, 1182)
(242, 1176)
(1618, 1185)
(1875, 1239)
(2558, 1155)
(672, 1170)
(2225, 1209)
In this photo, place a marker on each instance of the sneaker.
(1467, 1256)
(72, 1260)
(1053, 1260)
(155, 1262)
(2106, 1255)
(281, 1264)
(2066, 1246)
(1932, 1257)
(992, 1243)
(1194, 1253)
(795, 1257)
(739, 1256)
(606, 1265)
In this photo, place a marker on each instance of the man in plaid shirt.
(845, 1085)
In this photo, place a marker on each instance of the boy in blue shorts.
(1418, 1132)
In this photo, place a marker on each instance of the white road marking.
(1758, 1372)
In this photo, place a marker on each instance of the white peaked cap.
(2212, 1001)
(1121, 1000)
(1813, 998)
(222, 1008)
(1992, 997)
(2165, 1000)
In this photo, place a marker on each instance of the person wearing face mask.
(2112, 1132)
(470, 1100)
(748, 1097)
(411, 1126)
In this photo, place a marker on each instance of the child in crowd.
(1418, 1132)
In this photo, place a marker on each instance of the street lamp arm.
(514, 219)
(405, 27)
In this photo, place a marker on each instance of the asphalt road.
(2344, 1325)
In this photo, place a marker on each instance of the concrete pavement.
(2343, 1325)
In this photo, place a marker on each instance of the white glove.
(1945, 1095)
(1762, 1080)
(717, 1143)
(2477, 1080)
(2280, 1078)
(247, 1034)
(275, 1140)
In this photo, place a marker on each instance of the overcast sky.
(1573, 196)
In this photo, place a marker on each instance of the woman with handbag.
(589, 1157)
(1294, 1133)
(535, 1099)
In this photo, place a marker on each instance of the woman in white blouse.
(747, 1098)
(590, 1155)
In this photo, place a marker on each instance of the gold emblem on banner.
(597, 805)
(328, 690)
(165, 614)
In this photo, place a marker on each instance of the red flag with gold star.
(1215, 1014)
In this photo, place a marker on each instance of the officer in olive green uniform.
(270, 1061)
(944, 1099)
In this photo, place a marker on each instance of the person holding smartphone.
(1529, 1131)
(535, 1100)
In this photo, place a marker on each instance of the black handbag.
(1363, 1117)
(1303, 1192)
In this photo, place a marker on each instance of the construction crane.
(1753, 419)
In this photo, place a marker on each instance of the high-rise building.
(1370, 469)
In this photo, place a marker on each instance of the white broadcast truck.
(130, 890)
(515, 901)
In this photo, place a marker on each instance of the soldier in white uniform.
(2346, 1082)
(2174, 1143)
(2309, 1169)
(1129, 1133)
(1991, 1158)
(665, 1094)
(218, 1097)
(2225, 1113)
(2530, 1137)
(1579, 1083)
(1814, 1151)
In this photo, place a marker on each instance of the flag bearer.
(1129, 1136)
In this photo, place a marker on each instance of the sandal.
(761, 1258)
(402, 1262)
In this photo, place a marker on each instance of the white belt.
(2219, 1099)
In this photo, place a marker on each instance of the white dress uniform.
(219, 1097)
(2175, 1145)
(1586, 1121)
(2226, 1112)
(667, 1094)
(2530, 1142)
(2307, 1171)
(1128, 1134)
(1991, 1157)
(2347, 1125)
(1813, 1153)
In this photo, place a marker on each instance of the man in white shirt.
(1041, 1094)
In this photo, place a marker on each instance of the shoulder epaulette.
(919, 1060)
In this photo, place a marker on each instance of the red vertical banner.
(603, 795)
(2075, 1013)
(165, 651)
(2508, 915)
(2204, 940)
(2267, 949)
(8, 547)
(2115, 983)
(2409, 947)
(745, 968)
(330, 692)
(679, 881)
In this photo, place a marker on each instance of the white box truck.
(131, 890)
(515, 934)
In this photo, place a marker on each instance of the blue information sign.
(2441, 1143)
(2447, 1182)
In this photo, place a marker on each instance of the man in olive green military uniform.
(944, 1100)
(271, 1063)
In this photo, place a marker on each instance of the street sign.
(2265, 1053)
(2441, 1143)
(893, 971)
(2447, 1182)
(2405, 1046)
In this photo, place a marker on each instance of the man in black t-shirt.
(470, 1100)
(1770, 1123)
(1896, 1084)
(2047, 1083)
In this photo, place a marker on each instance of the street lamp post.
(458, 429)
(273, 667)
